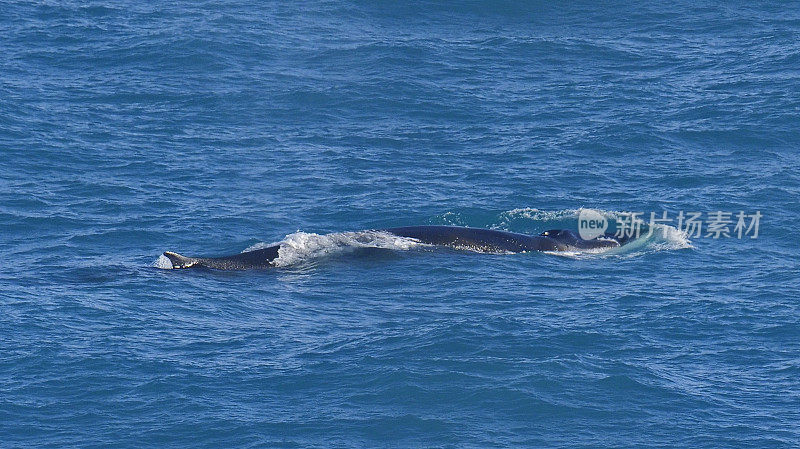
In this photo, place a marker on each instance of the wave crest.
(301, 247)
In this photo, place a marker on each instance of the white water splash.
(301, 247)
(534, 214)
(163, 263)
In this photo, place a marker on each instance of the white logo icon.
(591, 224)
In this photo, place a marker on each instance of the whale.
(457, 237)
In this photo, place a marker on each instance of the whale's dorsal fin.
(179, 261)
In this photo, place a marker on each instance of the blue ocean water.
(130, 128)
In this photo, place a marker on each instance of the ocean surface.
(207, 128)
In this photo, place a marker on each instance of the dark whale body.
(489, 240)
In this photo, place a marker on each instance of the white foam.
(163, 263)
(530, 213)
(301, 247)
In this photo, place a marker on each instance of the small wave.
(301, 247)
(163, 263)
(534, 214)
(660, 238)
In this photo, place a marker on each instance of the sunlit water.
(128, 129)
